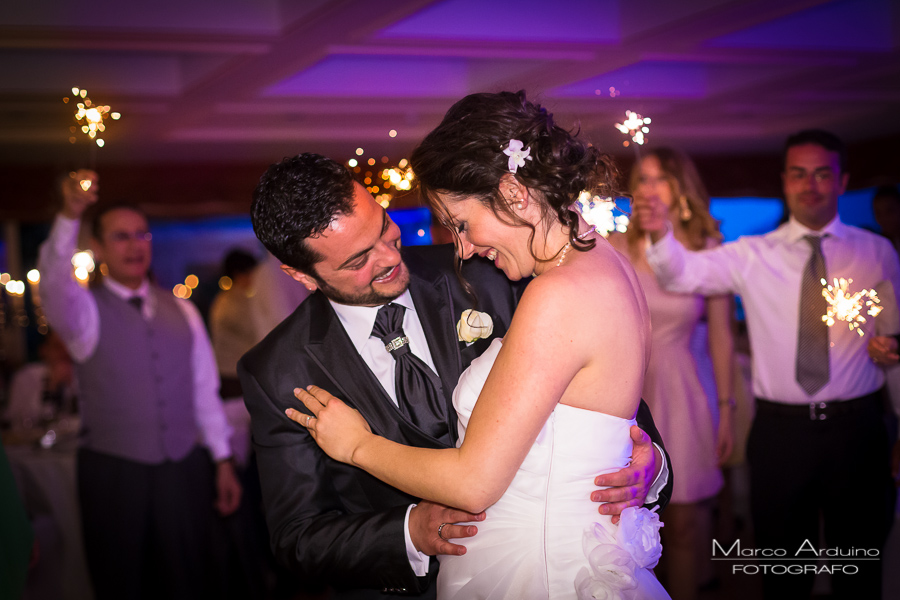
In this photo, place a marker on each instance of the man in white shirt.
(330, 522)
(819, 425)
(151, 414)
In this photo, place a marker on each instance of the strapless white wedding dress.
(544, 538)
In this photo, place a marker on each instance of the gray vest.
(137, 388)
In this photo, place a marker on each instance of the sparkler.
(599, 212)
(849, 307)
(635, 126)
(90, 119)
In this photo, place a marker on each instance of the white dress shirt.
(358, 322)
(72, 311)
(766, 271)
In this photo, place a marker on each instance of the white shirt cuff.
(417, 560)
(662, 478)
(654, 250)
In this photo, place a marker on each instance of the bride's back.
(609, 324)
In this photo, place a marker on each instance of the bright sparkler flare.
(849, 307)
(85, 184)
(90, 117)
(599, 212)
(635, 126)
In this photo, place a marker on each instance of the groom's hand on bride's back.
(429, 537)
(629, 486)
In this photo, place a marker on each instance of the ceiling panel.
(259, 16)
(644, 80)
(379, 77)
(595, 21)
(253, 80)
(55, 73)
(845, 25)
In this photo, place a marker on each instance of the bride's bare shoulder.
(618, 241)
(591, 281)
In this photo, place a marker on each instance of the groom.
(330, 522)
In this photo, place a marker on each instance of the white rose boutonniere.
(474, 325)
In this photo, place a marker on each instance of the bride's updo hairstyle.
(463, 158)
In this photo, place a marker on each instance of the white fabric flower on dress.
(517, 155)
(639, 534)
(611, 573)
(615, 556)
(474, 325)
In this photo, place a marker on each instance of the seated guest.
(43, 390)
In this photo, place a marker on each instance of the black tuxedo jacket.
(330, 522)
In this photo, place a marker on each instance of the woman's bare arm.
(721, 349)
(520, 393)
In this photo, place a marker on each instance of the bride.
(555, 398)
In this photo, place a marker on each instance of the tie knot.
(815, 241)
(137, 302)
(389, 329)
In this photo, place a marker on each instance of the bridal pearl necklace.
(568, 246)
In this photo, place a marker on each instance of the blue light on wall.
(756, 216)
(183, 245)
(746, 216)
(855, 208)
(415, 225)
(180, 247)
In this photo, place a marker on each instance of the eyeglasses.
(124, 236)
(821, 175)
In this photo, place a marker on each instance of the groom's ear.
(300, 276)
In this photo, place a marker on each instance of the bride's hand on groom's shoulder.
(338, 429)
(628, 486)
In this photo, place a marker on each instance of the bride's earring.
(685, 212)
(518, 204)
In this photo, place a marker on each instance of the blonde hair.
(687, 187)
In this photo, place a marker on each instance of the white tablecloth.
(48, 485)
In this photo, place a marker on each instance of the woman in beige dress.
(673, 384)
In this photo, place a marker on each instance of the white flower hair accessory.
(517, 155)
(474, 325)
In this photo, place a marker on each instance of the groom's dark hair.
(298, 198)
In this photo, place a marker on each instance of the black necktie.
(417, 387)
(812, 369)
(137, 302)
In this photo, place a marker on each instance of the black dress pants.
(836, 469)
(147, 527)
